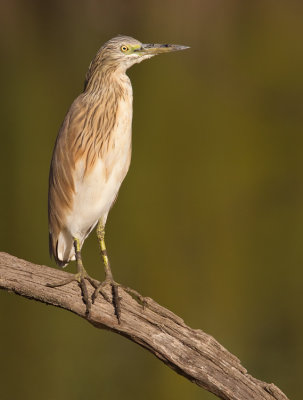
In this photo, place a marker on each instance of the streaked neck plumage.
(108, 97)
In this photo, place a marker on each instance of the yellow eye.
(124, 48)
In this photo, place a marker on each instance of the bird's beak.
(153, 49)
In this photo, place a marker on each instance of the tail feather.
(62, 249)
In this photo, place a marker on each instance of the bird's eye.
(124, 48)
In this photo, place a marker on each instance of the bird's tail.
(61, 248)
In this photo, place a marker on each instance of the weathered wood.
(190, 352)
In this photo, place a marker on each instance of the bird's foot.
(79, 277)
(115, 295)
(135, 295)
(116, 299)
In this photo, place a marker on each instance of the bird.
(91, 158)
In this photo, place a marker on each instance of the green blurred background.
(209, 221)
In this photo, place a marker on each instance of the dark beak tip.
(175, 46)
(163, 46)
(183, 47)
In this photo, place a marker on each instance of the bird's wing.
(84, 134)
(61, 181)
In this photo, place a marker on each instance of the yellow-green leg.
(108, 273)
(101, 240)
(109, 277)
(80, 277)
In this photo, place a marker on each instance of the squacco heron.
(91, 158)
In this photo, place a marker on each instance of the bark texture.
(190, 352)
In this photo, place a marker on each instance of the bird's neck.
(108, 80)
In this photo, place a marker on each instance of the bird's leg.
(108, 273)
(109, 278)
(101, 236)
(80, 277)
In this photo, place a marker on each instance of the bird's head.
(120, 53)
(124, 51)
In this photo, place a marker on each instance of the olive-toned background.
(209, 220)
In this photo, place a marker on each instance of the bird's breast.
(118, 152)
(96, 190)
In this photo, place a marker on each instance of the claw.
(80, 278)
(99, 289)
(85, 296)
(115, 299)
(136, 295)
(61, 283)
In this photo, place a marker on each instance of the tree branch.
(192, 353)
